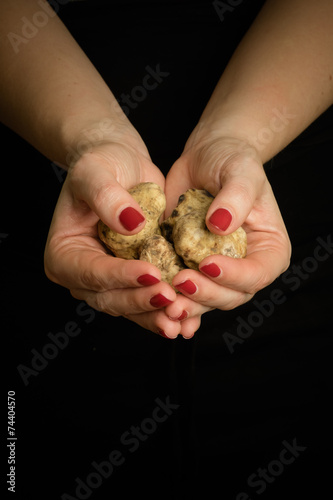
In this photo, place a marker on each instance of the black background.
(235, 409)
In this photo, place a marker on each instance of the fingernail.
(221, 219)
(130, 218)
(162, 333)
(147, 280)
(212, 270)
(187, 287)
(183, 316)
(159, 301)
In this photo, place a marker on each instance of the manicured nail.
(211, 269)
(147, 280)
(159, 301)
(162, 333)
(221, 219)
(187, 287)
(183, 316)
(130, 218)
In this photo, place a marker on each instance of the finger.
(122, 302)
(207, 293)
(190, 326)
(184, 308)
(88, 266)
(158, 323)
(241, 187)
(256, 271)
(188, 313)
(96, 186)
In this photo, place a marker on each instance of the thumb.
(97, 187)
(240, 188)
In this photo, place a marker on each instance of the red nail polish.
(130, 218)
(147, 280)
(187, 287)
(221, 219)
(211, 269)
(162, 333)
(159, 301)
(183, 316)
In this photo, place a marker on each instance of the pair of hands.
(96, 188)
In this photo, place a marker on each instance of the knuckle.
(87, 278)
(91, 280)
(50, 267)
(241, 191)
(99, 302)
(76, 293)
(244, 193)
(103, 303)
(102, 194)
(75, 175)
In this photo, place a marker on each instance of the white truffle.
(158, 251)
(192, 240)
(152, 201)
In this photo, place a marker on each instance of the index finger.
(251, 274)
(90, 268)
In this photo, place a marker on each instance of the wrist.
(267, 129)
(82, 134)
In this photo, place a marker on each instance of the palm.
(234, 174)
(73, 232)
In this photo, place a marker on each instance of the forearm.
(279, 79)
(50, 93)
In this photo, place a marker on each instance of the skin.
(289, 46)
(51, 94)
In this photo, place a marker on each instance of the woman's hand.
(231, 170)
(96, 187)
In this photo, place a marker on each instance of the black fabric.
(251, 383)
